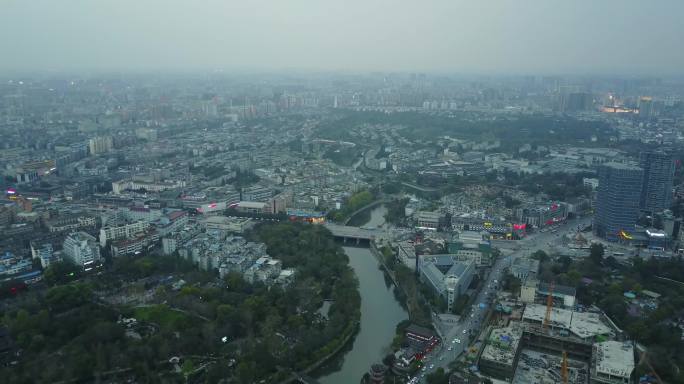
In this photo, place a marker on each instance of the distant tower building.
(210, 108)
(101, 144)
(645, 108)
(617, 199)
(656, 193)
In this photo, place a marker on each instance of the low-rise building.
(69, 223)
(135, 244)
(45, 253)
(446, 275)
(522, 268)
(253, 207)
(119, 187)
(472, 245)
(542, 215)
(406, 252)
(419, 338)
(121, 231)
(429, 220)
(500, 356)
(11, 264)
(230, 224)
(265, 269)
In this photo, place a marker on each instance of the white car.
(450, 348)
(458, 341)
(464, 331)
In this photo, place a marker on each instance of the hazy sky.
(463, 36)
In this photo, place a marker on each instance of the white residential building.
(81, 249)
(124, 231)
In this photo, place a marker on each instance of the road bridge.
(354, 234)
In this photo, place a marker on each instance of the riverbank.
(404, 280)
(349, 336)
(381, 259)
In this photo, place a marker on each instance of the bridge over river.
(348, 233)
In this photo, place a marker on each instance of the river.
(380, 313)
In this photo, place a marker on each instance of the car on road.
(464, 331)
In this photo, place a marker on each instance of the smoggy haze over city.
(498, 36)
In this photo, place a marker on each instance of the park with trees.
(217, 328)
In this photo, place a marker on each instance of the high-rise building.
(646, 107)
(656, 193)
(100, 144)
(617, 200)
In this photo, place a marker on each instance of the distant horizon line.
(348, 72)
(463, 73)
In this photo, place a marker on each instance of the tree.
(389, 360)
(596, 252)
(541, 256)
(438, 377)
(61, 272)
(512, 284)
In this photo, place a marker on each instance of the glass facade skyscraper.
(617, 200)
(656, 192)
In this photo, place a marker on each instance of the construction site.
(552, 344)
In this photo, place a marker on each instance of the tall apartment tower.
(617, 200)
(656, 193)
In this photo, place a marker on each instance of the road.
(458, 338)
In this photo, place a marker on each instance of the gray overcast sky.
(466, 36)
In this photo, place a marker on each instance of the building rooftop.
(557, 289)
(252, 204)
(503, 344)
(425, 215)
(613, 358)
(418, 330)
(582, 324)
(623, 166)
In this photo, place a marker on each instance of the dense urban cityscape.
(526, 227)
(450, 194)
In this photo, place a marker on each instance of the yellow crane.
(549, 306)
(564, 368)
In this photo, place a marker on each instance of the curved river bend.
(380, 313)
